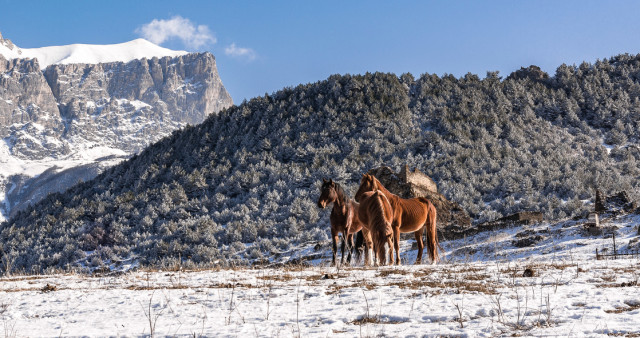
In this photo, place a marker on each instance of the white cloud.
(159, 31)
(240, 52)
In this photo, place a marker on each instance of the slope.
(243, 184)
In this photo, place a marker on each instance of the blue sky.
(284, 43)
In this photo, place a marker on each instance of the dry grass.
(388, 272)
(618, 285)
(21, 278)
(41, 289)
(335, 288)
(156, 287)
(630, 306)
(477, 277)
(49, 288)
(374, 320)
(278, 278)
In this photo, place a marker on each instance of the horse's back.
(356, 223)
(413, 213)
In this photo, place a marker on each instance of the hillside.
(244, 183)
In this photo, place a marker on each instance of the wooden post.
(615, 251)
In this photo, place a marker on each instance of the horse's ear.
(324, 180)
(331, 181)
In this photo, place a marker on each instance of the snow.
(137, 104)
(477, 290)
(89, 54)
(11, 165)
(86, 153)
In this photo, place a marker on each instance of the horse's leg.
(344, 240)
(358, 246)
(390, 243)
(396, 243)
(382, 256)
(334, 236)
(418, 235)
(432, 236)
(368, 247)
(349, 247)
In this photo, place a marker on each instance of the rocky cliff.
(79, 113)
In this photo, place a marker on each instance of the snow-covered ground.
(479, 289)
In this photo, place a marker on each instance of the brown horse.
(344, 218)
(409, 215)
(376, 215)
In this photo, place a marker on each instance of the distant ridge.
(67, 112)
(88, 54)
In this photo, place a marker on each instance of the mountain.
(87, 54)
(70, 111)
(242, 186)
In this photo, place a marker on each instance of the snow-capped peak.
(91, 54)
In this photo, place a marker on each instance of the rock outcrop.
(29, 115)
(417, 179)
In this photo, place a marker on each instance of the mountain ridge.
(87, 53)
(75, 114)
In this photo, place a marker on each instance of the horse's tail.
(433, 246)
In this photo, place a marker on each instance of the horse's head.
(367, 183)
(328, 193)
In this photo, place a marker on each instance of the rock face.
(84, 112)
(417, 179)
(452, 220)
(29, 115)
(119, 105)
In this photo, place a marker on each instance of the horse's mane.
(378, 186)
(342, 197)
(380, 225)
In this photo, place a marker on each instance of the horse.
(376, 215)
(344, 219)
(409, 215)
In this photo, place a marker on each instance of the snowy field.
(478, 290)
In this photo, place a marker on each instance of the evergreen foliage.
(244, 183)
